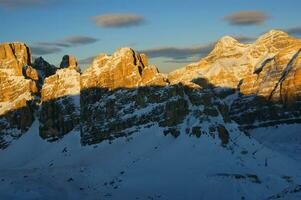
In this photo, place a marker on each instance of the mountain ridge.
(228, 68)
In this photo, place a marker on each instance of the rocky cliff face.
(124, 69)
(271, 95)
(121, 92)
(253, 84)
(16, 91)
(263, 74)
(231, 61)
(126, 95)
(14, 56)
(60, 107)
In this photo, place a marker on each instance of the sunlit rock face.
(271, 95)
(14, 56)
(124, 69)
(60, 107)
(265, 74)
(231, 61)
(16, 91)
(221, 67)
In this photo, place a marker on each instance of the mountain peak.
(226, 47)
(69, 62)
(39, 59)
(227, 41)
(125, 68)
(275, 32)
(272, 36)
(16, 43)
(14, 56)
(124, 52)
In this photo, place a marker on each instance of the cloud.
(70, 41)
(80, 40)
(183, 61)
(118, 20)
(49, 47)
(19, 3)
(187, 54)
(57, 44)
(177, 53)
(43, 50)
(16, 4)
(86, 61)
(247, 17)
(245, 39)
(294, 31)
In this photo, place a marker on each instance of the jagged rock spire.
(69, 62)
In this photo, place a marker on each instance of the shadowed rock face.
(253, 84)
(60, 107)
(120, 94)
(119, 101)
(59, 112)
(44, 69)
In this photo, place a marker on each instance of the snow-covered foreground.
(283, 138)
(147, 165)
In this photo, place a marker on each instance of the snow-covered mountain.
(265, 77)
(123, 130)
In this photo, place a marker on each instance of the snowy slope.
(146, 165)
(285, 138)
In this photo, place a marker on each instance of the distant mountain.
(265, 77)
(206, 125)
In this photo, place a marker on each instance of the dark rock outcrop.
(69, 62)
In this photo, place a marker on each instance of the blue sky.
(165, 29)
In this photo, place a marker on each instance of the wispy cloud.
(16, 4)
(247, 17)
(19, 3)
(49, 47)
(183, 61)
(178, 53)
(43, 50)
(294, 31)
(245, 39)
(86, 61)
(80, 40)
(57, 44)
(70, 41)
(118, 20)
